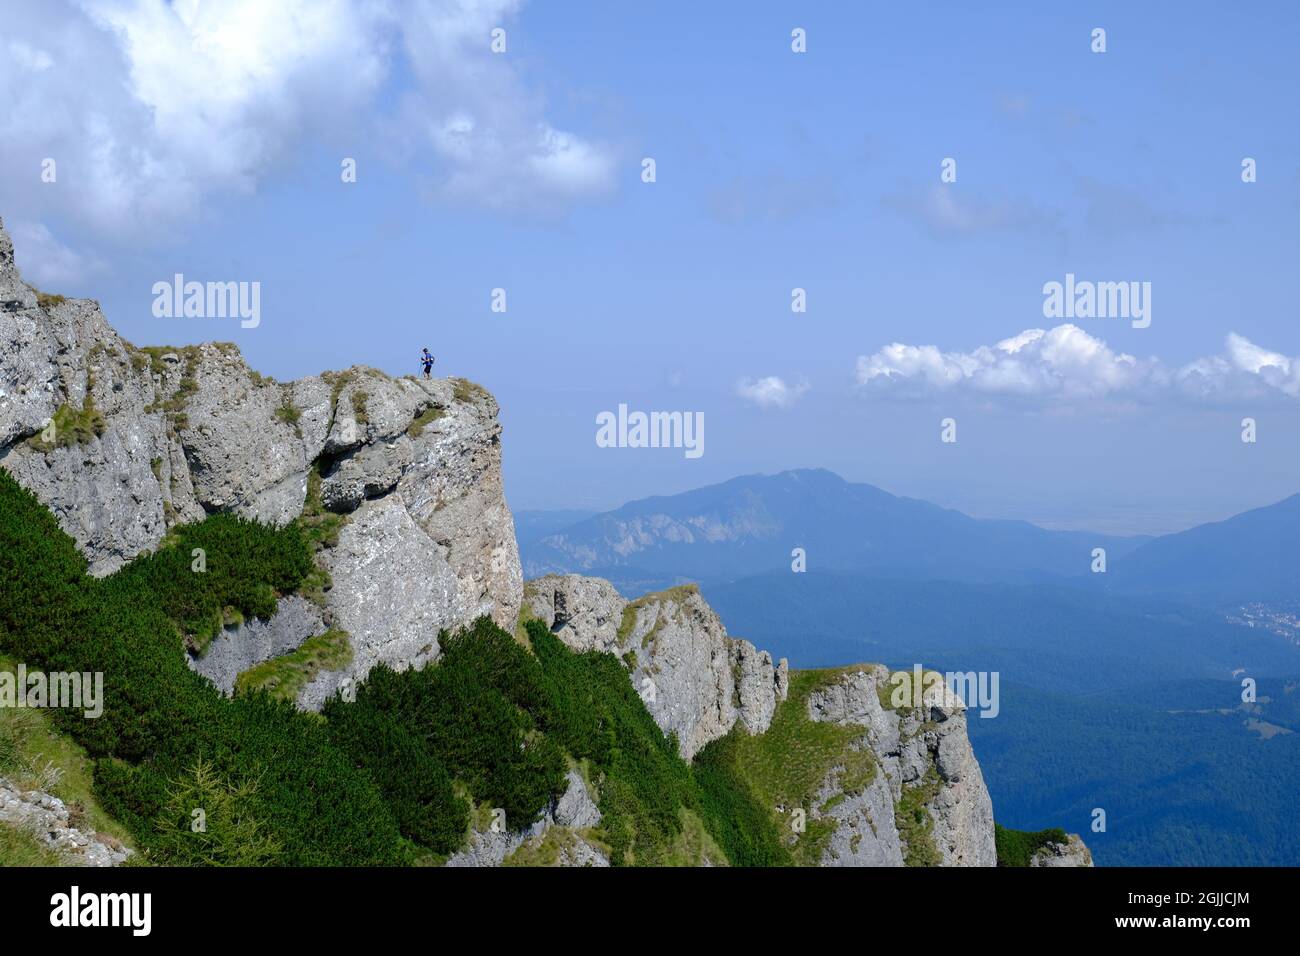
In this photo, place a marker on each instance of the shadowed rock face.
(169, 436)
(696, 681)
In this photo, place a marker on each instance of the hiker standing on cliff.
(427, 361)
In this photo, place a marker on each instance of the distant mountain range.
(752, 524)
(1249, 557)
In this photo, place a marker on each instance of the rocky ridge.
(695, 680)
(926, 755)
(122, 443)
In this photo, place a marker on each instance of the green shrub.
(1017, 847)
(246, 565)
(597, 716)
(411, 778)
(476, 712)
(159, 716)
(210, 821)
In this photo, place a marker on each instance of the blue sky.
(775, 170)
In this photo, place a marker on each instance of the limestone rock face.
(49, 821)
(865, 833)
(392, 593)
(144, 439)
(695, 680)
(563, 822)
(584, 613)
(240, 647)
(1071, 853)
(920, 749)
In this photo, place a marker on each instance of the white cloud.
(43, 259)
(1066, 364)
(473, 110)
(770, 392)
(150, 108)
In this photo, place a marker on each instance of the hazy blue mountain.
(750, 525)
(1254, 556)
(533, 526)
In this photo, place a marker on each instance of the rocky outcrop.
(245, 645)
(927, 762)
(695, 680)
(1073, 852)
(864, 831)
(122, 443)
(49, 821)
(561, 827)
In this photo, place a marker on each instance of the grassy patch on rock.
(70, 426)
(914, 822)
(424, 419)
(285, 676)
(784, 768)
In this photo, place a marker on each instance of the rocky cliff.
(695, 680)
(122, 443)
(929, 769)
(926, 805)
(401, 481)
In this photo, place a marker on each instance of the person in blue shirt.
(427, 361)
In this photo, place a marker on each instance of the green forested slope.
(392, 777)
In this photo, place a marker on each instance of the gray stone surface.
(1071, 853)
(583, 612)
(248, 644)
(573, 811)
(48, 819)
(908, 743)
(393, 592)
(695, 680)
(865, 832)
(190, 431)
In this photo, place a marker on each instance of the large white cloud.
(149, 108)
(1066, 363)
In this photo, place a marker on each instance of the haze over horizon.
(1042, 514)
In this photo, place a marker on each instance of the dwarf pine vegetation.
(402, 772)
(394, 776)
